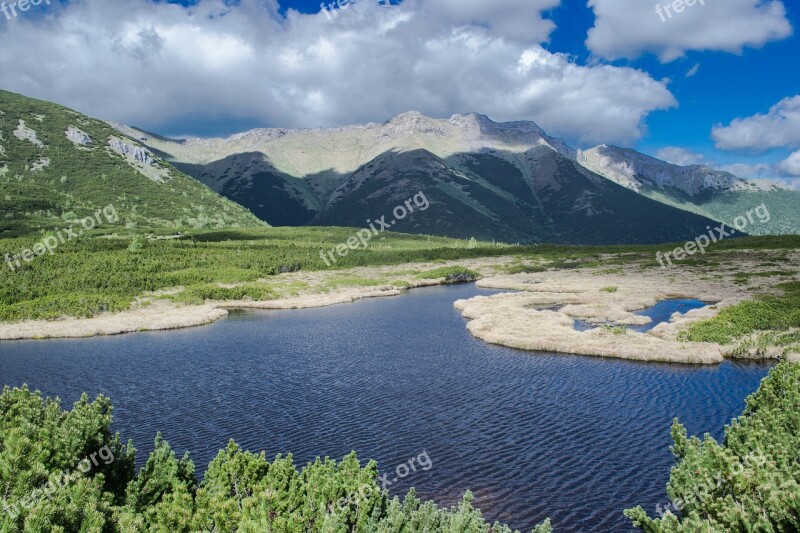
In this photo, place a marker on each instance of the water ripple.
(577, 439)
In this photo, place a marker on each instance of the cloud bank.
(791, 166)
(631, 28)
(779, 128)
(680, 156)
(783, 170)
(162, 65)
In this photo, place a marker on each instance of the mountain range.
(508, 182)
(504, 181)
(698, 188)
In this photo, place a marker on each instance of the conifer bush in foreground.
(65, 471)
(750, 481)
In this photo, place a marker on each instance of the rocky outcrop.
(131, 151)
(78, 137)
(24, 133)
(40, 164)
(140, 158)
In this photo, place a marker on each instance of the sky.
(711, 82)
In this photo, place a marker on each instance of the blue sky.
(590, 71)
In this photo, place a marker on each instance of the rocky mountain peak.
(635, 170)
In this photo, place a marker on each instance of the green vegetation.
(750, 482)
(759, 324)
(744, 278)
(99, 272)
(65, 471)
(107, 269)
(211, 291)
(615, 330)
(353, 281)
(609, 289)
(726, 206)
(520, 268)
(454, 274)
(78, 179)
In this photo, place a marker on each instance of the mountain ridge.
(508, 182)
(326, 157)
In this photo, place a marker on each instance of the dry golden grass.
(517, 320)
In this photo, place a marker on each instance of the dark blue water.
(659, 313)
(663, 311)
(577, 439)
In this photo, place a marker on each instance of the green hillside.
(58, 166)
(783, 207)
(699, 189)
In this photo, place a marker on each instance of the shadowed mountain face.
(509, 182)
(250, 180)
(376, 189)
(544, 197)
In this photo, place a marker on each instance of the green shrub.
(750, 482)
(616, 330)
(78, 305)
(213, 292)
(241, 491)
(768, 313)
(524, 269)
(454, 274)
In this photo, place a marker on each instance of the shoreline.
(153, 313)
(541, 316)
(538, 316)
(165, 316)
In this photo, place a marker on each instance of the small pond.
(659, 313)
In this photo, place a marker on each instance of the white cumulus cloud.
(750, 171)
(162, 66)
(791, 165)
(680, 156)
(779, 128)
(631, 28)
(760, 171)
(514, 19)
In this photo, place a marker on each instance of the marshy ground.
(105, 286)
(542, 315)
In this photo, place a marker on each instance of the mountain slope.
(374, 191)
(57, 166)
(538, 196)
(581, 207)
(250, 180)
(515, 182)
(697, 188)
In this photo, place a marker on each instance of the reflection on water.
(663, 310)
(659, 313)
(578, 439)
